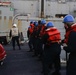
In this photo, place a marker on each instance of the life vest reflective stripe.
(54, 34)
(2, 52)
(14, 31)
(73, 28)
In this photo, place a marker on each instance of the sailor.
(41, 30)
(70, 41)
(52, 49)
(30, 37)
(35, 39)
(14, 34)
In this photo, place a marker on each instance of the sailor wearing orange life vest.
(43, 27)
(35, 39)
(39, 33)
(30, 35)
(52, 49)
(70, 40)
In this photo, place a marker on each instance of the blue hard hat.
(43, 21)
(68, 18)
(50, 24)
(36, 23)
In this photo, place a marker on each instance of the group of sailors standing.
(44, 41)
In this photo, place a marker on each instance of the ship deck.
(21, 62)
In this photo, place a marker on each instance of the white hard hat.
(15, 25)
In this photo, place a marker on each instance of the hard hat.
(15, 25)
(50, 24)
(36, 23)
(68, 18)
(43, 21)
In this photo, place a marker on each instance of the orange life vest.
(32, 25)
(73, 28)
(31, 28)
(42, 32)
(54, 34)
(2, 52)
